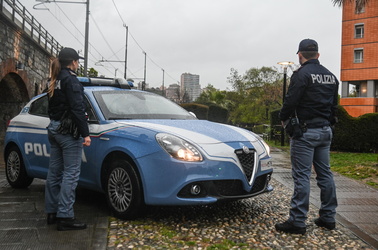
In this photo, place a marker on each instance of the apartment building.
(359, 58)
(190, 87)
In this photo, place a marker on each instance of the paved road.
(23, 223)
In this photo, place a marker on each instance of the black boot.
(328, 225)
(288, 227)
(65, 224)
(51, 218)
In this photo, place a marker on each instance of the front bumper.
(227, 189)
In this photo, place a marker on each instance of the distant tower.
(190, 87)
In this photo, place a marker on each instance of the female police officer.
(65, 94)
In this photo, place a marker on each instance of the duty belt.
(316, 122)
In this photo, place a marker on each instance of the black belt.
(317, 122)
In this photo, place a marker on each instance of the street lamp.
(285, 65)
(86, 28)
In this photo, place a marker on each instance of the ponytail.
(54, 71)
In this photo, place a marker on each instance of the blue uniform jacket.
(312, 93)
(69, 95)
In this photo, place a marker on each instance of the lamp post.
(127, 35)
(163, 83)
(86, 38)
(285, 65)
(144, 81)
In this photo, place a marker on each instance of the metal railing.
(21, 17)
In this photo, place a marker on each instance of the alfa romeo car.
(145, 150)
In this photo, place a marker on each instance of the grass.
(358, 166)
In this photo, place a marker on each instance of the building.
(173, 93)
(359, 58)
(190, 87)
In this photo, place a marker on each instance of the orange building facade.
(359, 59)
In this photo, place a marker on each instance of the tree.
(212, 95)
(258, 92)
(360, 4)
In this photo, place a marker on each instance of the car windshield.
(138, 105)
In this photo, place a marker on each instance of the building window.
(359, 30)
(358, 55)
(359, 7)
(376, 88)
(357, 89)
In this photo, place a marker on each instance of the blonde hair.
(54, 71)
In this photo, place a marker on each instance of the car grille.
(259, 184)
(226, 188)
(247, 160)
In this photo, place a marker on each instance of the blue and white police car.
(145, 150)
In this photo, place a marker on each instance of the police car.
(145, 150)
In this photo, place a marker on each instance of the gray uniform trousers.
(312, 150)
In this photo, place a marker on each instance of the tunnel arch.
(13, 96)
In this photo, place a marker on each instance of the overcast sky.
(203, 37)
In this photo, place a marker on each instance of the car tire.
(123, 190)
(15, 169)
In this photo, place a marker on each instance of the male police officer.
(310, 104)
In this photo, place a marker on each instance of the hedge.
(217, 114)
(200, 110)
(209, 112)
(356, 134)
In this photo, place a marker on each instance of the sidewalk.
(23, 221)
(358, 203)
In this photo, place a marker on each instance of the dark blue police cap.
(69, 54)
(308, 45)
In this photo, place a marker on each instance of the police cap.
(308, 45)
(67, 54)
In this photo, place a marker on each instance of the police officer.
(311, 100)
(66, 94)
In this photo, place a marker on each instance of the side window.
(89, 110)
(40, 107)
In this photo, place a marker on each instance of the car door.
(33, 139)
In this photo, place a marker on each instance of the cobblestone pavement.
(247, 224)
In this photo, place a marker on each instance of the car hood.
(199, 131)
(215, 139)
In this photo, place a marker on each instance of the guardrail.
(20, 16)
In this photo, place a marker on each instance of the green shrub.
(200, 110)
(351, 134)
(355, 134)
(217, 114)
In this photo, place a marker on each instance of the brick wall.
(368, 69)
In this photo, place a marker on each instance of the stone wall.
(19, 85)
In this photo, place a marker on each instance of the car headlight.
(178, 148)
(266, 146)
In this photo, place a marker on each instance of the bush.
(217, 114)
(356, 134)
(350, 134)
(200, 110)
